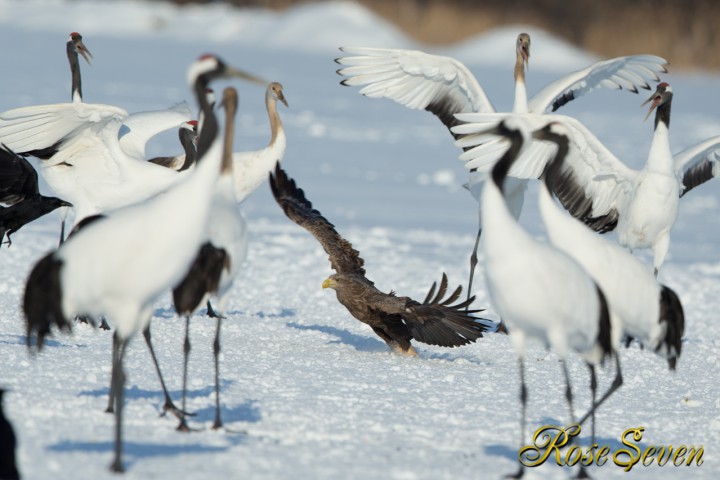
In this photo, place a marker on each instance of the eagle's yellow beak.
(328, 283)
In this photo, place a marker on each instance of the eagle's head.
(330, 282)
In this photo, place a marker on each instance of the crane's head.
(275, 92)
(77, 44)
(209, 67)
(663, 95)
(522, 48)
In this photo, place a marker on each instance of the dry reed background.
(683, 31)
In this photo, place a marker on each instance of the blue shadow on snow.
(17, 340)
(22, 340)
(358, 342)
(284, 313)
(511, 453)
(133, 451)
(247, 412)
(135, 393)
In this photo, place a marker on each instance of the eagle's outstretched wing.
(435, 321)
(343, 257)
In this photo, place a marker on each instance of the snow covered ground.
(309, 392)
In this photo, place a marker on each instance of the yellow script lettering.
(546, 440)
(632, 459)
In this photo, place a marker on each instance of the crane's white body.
(652, 210)
(154, 250)
(538, 290)
(251, 169)
(632, 292)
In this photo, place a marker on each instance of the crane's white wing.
(593, 185)
(139, 128)
(697, 164)
(416, 80)
(628, 72)
(42, 128)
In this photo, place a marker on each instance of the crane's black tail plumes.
(203, 278)
(671, 313)
(437, 322)
(43, 300)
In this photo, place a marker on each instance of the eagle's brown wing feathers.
(435, 321)
(343, 257)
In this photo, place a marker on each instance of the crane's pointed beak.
(83, 50)
(234, 72)
(655, 99)
(281, 97)
(525, 52)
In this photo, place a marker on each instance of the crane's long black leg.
(473, 264)
(62, 232)
(523, 411)
(593, 392)
(63, 216)
(183, 427)
(168, 405)
(617, 383)
(118, 386)
(568, 396)
(216, 353)
(111, 394)
(568, 391)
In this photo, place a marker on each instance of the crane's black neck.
(186, 140)
(502, 167)
(209, 130)
(76, 88)
(662, 114)
(552, 169)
